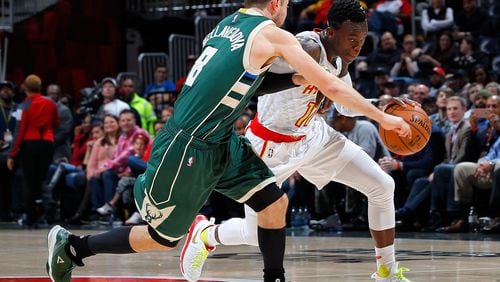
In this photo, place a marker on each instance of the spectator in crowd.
(436, 18)
(126, 182)
(97, 133)
(471, 20)
(494, 88)
(436, 80)
(392, 88)
(478, 102)
(406, 66)
(469, 55)
(482, 127)
(460, 146)
(166, 113)
(383, 100)
(160, 92)
(440, 119)
(471, 91)
(442, 53)
(111, 104)
(420, 93)
(457, 81)
(388, 15)
(479, 74)
(113, 168)
(385, 56)
(62, 135)
(141, 105)
(37, 118)
(7, 127)
(158, 126)
(103, 150)
(82, 136)
(313, 15)
(485, 174)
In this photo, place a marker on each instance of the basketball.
(420, 126)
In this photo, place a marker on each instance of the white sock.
(385, 256)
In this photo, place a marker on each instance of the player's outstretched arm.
(286, 46)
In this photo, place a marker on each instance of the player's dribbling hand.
(396, 124)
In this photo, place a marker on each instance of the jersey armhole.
(248, 46)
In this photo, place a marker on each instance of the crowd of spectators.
(86, 158)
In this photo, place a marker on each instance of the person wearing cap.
(37, 117)
(111, 105)
(436, 80)
(392, 88)
(7, 107)
(7, 127)
(478, 102)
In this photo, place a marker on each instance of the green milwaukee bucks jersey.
(221, 82)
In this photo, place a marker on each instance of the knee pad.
(160, 240)
(264, 197)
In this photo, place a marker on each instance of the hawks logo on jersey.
(310, 90)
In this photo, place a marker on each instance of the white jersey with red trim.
(290, 111)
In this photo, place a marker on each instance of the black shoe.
(436, 220)
(457, 226)
(493, 228)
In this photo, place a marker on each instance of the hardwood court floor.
(327, 257)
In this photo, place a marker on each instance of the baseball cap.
(6, 83)
(380, 71)
(109, 79)
(483, 93)
(439, 70)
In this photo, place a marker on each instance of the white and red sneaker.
(195, 252)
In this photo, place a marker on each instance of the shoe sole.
(189, 238)
(51, 243)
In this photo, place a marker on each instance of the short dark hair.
(345, 10)
(160, 65)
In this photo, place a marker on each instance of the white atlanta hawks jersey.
(290, 111)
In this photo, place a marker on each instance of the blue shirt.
(493, 153)
(164, 87)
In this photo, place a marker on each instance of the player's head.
(347, 29)
(277, 8)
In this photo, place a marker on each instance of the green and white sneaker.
(395, 274)
(59, 264)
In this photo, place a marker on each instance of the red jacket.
(36, 119)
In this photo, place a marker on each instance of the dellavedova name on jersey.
(234, 35)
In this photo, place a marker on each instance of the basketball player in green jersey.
(198, 151)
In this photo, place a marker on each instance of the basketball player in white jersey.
(289, 137)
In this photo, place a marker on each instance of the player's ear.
(330, 31)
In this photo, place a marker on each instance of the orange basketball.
(420, 125)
